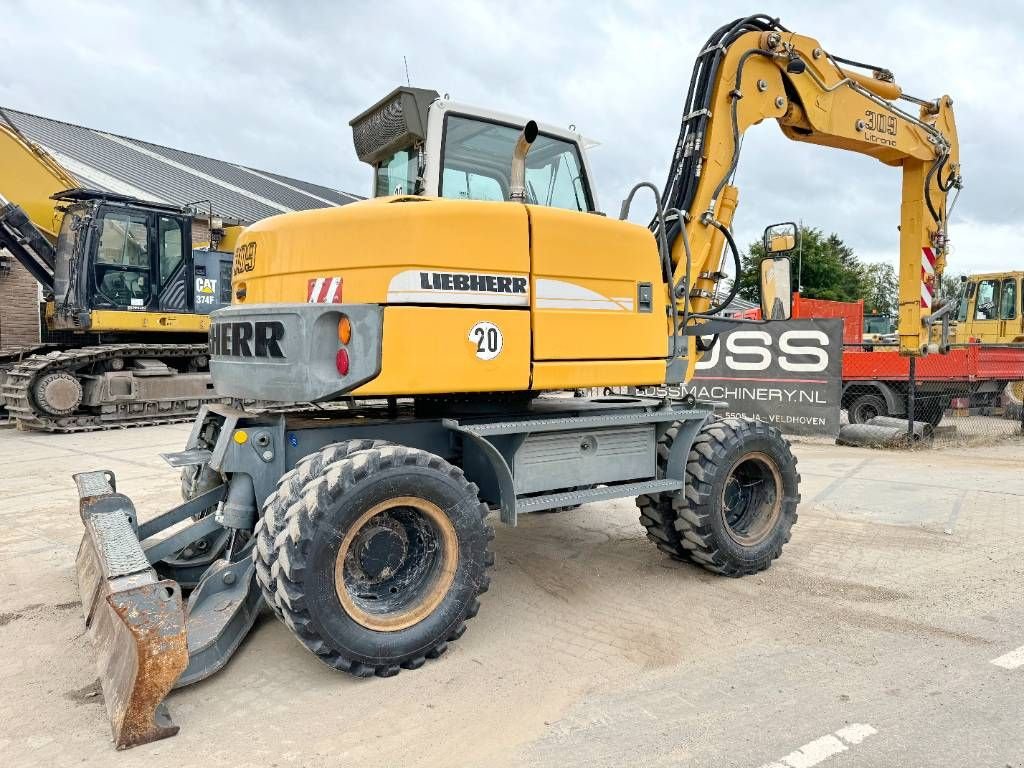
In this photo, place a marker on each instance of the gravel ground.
(888, 634)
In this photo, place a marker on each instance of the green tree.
(883, 294)
(830, 269)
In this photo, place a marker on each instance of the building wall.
(19, 307)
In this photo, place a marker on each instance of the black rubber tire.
(289, 487)
(657, 514)
(861, 405)
(931, 411)
(317, 517)
(700, 514)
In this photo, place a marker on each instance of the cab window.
(466, 185)
(1008, 300)
(987, 300)
(124, 241)
(477, 162)
(397, 175)
(172, 254)
(965, 300)
(122, 261)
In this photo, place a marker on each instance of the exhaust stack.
(517, 178)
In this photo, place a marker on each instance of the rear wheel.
(931, 411)
(381, 560)
(290, 486)
(864, 407)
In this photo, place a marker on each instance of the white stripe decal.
(561, 294)
(314, 292)
(605, 305)
(332, 291)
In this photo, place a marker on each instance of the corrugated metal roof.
(139, 168)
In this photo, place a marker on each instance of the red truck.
(876, 380)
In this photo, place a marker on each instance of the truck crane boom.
(754, 69)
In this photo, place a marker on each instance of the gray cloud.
(274, 85)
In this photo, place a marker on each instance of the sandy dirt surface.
(870, 643)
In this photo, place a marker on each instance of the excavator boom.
(754, 69)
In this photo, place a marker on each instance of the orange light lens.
(344, 330)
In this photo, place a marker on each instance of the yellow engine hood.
(376, 251)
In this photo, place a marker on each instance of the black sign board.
(786, 373)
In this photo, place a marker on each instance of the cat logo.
(206, 286)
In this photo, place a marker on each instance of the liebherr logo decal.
(429, 287)
(244, 338)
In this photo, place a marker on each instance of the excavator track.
(20, 379)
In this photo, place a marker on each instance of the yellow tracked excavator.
(481, 277)
(127, 299)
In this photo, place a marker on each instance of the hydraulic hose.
(735, 289)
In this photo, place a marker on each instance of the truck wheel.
(1013, 396)
(657, 515)
(272, 522)
(931, 412)
(739, 504)
(863, 408)
(382, 559)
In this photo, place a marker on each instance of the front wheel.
(381, 559)
(739, 505)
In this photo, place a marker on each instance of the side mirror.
(776, 291)
(780, 238)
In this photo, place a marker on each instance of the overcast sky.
(273, 85)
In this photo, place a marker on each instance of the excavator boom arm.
(754, 69)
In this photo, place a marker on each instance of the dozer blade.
(135, 620)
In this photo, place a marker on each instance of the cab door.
(173, 242)
(122, 265)
(1009, 310)
(986, 308)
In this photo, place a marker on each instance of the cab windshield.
(477, 160)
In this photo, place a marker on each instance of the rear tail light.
(341, 361)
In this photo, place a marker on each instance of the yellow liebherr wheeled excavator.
(127, 299)
(480, 276)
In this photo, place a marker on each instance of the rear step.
(601, 493)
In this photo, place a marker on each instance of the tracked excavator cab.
(122, 271)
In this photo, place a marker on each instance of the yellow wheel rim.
(396, 563)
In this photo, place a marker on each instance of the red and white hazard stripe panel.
(927, 277)
(324, 290)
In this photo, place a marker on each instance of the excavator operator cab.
(421, 144)
(121, 254)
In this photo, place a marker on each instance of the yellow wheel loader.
(480, 279)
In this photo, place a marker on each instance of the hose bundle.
(685, 168)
